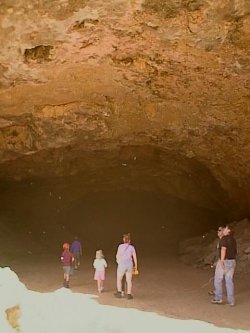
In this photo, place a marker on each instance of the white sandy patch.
(63, 311)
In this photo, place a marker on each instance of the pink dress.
(100, 265)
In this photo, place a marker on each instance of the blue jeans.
(219, 275)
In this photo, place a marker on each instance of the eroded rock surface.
(201, 251)
(131, 93)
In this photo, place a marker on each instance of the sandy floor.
(164, 286)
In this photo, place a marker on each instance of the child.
(100, 264)
(67, 261)
(76, 250)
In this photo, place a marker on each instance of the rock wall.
(82, 77)
(200, 251)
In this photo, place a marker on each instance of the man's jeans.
(219, 275)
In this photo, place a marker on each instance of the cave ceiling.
(149, 94)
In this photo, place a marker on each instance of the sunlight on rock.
(63, 311)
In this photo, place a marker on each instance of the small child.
(67, 262)
(100, 265)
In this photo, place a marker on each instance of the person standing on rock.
(126, 259)
(225, 268)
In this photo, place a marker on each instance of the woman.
(126, 259)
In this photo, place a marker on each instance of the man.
(217, 254)
(225, 268)
(76, 250)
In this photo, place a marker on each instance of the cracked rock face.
(132, 94)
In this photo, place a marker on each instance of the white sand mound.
(65, 312)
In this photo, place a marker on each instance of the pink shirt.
(125, 253)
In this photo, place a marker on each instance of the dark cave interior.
(38, 215)
(161, 197)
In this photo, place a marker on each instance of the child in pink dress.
(100, 265)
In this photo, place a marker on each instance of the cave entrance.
(40, 214)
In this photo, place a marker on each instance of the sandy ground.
(37, 217)
(164, 286)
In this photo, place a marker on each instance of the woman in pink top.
(126, 259)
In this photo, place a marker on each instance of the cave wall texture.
(137, 94)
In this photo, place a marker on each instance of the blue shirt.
(76, 247)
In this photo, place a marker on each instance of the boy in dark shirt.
(67, 261)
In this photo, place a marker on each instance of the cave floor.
(164, 286)
(37, 218)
